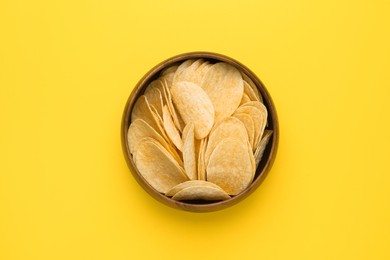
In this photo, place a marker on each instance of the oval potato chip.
(189, 157)
(157, 166)
(223, 84)
(194, 106)
(191, 183)
(230, 166)
(142, 110)
(201, 193)
(253, 86)
(155, 99)
(259, 118)
(231, 127)
(248, 123)
(263, 144)
(171, 130)
(244, 99)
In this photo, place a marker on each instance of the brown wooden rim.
(260, 176)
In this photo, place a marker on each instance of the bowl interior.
(262, 169)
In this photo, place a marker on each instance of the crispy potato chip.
(171, 130)
(192, 183)
(253, 87)
(256, 104)
(189, 158)
(263, 144)
(248, 123)
(252, 160)
(199, 73)
(170, 69)
(201, 161)
(223, 84)
(156, 84)
(139, 130)
(244, 99)
(250, 92)
(157, 166)
(259, 118)
(168, 98)
(194, 106)
(155, 99)
(189, 73)
(142, 110)
(181, 71)
(230, 166)
(201, 193)
(231, 127)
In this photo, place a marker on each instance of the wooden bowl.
(261, 171)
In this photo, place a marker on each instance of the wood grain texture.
(261, 171)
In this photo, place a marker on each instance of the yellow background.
(68, 67)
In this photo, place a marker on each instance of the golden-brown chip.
(230, 166)
(139, 130)
(142, 110)
(181, 71)
(189, 157)
(250, 92)
(155, 99)
(201, 193)
(168, 98)
(244, 99)
(194, 106)
(248, 123)
(223, 84)
(253, 86)
(263, 144)
(201, 160)
(189, 73)
(171, 130)
(170, 69)
(259, 118)
(191, 183)
(231, 127)
(157, 166)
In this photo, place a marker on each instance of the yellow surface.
(68, 67)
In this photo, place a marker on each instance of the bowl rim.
(272, 117)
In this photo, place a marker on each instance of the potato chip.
(201, 162)
(139, 129)
(142, 110)
(156, 84)
(189, 159)
(231, 127)
(157, 166)
(248, 123)
(250, 92)
(192, 183)
(181, 71)
(194, 106)
(155, 99)
(244, 99)
(230, 166)
(201, 193)
(168, 98)
(259, 120)
(199, 73)
(263, 144)
(223, 84)
(188, 74)
(170, 69)
(253, 87)
(252, 160)
(171, 130)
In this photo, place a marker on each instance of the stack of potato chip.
(199, 131)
